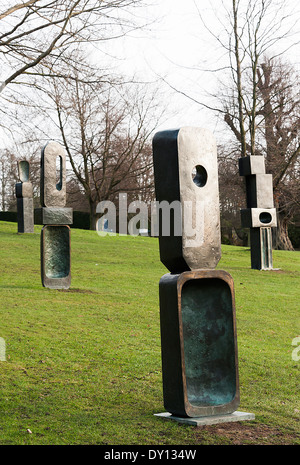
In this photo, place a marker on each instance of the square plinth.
(53, 215)
(210, 420)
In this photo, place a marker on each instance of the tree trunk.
(93, 214)
(281, 240)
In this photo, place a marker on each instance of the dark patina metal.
(260, 214)
(197, 307)
(24, 194)
(56, 256)
(56, 234)
(199, 343)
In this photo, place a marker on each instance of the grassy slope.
(83, 366)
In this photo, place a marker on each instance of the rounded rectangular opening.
(209, 342)
(59, 171)
(24, 171)
(56, 251)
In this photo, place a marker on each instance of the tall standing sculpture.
(24, 194)
(260, 214)
(56, 218)
(197, 307)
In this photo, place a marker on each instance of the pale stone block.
(186, 172)
(25, 215)
(258, 217)
(53, 179)
(24, 189)
(253, 164)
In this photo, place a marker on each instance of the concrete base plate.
(212, 420)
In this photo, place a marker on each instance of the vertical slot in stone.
(59, 173)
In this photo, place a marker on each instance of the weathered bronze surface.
(53, 176)
(24, 194)
(56, 256)
(53, 215)
(199, 343)
(186, 173)
(55, 236)
(260, 214)
(23, 167)
(261, 248)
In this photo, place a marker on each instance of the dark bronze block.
(258, 217)
(24, 190)
(259, 190)
(261, 248)
(53, 215)
(56, 256)
(199, 343)
(251, 165)
(25, 215)
(187, 194)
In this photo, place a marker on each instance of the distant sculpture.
(260, 214)
(56, 218)
(24, 194)
(197, 307)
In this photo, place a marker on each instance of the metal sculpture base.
(198, 339)
(55, 256)
(210, 420)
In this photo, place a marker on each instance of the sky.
(170, 48)
(179, 48)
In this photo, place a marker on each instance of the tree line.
(105, 122)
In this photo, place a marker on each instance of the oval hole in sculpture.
(199, 175)
(265, 217)
(24, 171)
(59, 173)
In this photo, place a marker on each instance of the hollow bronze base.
(199, 344)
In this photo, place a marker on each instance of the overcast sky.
(178, 47)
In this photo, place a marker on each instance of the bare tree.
(36, 34)
(105, 130)
(9, 173)
(258, 28)
(255, 106)
(8, 178)
(279, 90)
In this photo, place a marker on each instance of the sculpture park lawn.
(83, 366)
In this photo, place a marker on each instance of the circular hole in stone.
(199, 175)
(265, 217)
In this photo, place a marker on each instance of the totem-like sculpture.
(56, 218)
(24, 194)
(260, 214)
(197, 306)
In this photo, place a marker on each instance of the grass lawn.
(83, 366)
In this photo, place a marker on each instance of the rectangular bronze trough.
(56, 256)
(199, 343)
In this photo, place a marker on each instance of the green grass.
(83, 366)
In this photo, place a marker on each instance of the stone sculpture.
(56, 218)
(24, 194)
(260, 214)
(197, 307)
